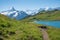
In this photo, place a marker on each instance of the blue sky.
(28, 4)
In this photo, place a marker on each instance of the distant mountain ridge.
(31, 12)
(13, 13)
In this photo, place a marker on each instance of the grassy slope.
(53, 15)
(49, 16)
(11, 29)
(54, 33)
(25, 30)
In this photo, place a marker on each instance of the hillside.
(49, 15)
(11, 29)
(45, 15)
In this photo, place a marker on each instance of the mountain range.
(13, 13)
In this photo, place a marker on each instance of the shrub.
(1, 38)
(11, 33)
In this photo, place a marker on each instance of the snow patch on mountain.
(12, 13)
(31, 12)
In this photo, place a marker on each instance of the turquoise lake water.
(49, 23)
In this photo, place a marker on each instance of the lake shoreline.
(48, 23)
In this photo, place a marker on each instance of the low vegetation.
(45, 15)
(11, 29)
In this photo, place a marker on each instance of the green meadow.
(25, 29)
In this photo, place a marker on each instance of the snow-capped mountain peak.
(31, 12)
(13, 13)
(12, 9)
(9, 12)
(46, 8)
